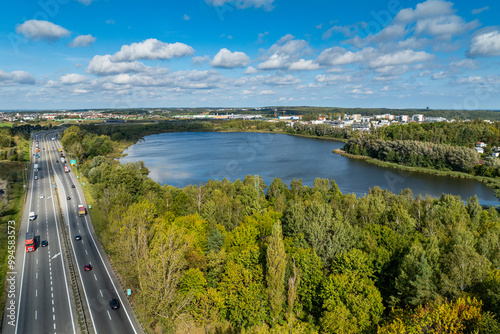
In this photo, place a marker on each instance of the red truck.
(30, 242)
(66, 169)
(81, 210)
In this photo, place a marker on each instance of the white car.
(41, 196)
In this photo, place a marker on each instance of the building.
(418, 118)
(360, 126)
(480, 150)
(404, 118)
(480, 144)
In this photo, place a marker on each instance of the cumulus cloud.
(16, 77)
(250, 70)
(242, 4)
(38, 29)
(485, 43)
(304, 65)
(186, 17)
(200, 60)
(102, 65)
(227, 59)
(341, 56)
(82, 40)
(283, 53)
(401, 58)
(72, 79)
(152, 49)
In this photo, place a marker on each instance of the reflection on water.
(187, 158)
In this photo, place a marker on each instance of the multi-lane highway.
(44, 301)
(44, 297)
(97, 283)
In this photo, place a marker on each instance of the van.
(36, 177)
(32, 216)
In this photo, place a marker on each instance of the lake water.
(185, 158)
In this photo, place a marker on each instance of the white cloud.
(16, 77)
(485, 43)
(37, 29)
(227, 59)
(339, 56)
(480, 10)
(283, 53)
(304, 65)
(250, 70)
(72, 79)
(86, 2)
(186, 17)
(242, 4)
(152, 49)
(102, 65)
(425, 10)
(261, 37)
(200, 60)
(82, 40)
(110, 21)
(439, 75)
(322, 78)
(401, 58)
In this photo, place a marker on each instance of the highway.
(44, 297)
(98, 285)
(44, 301)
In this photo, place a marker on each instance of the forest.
(246, 257)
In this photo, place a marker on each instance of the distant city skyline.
(69, 54)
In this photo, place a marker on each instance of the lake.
(185, 158)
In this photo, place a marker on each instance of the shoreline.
(490, 182)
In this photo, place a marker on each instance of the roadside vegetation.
(14, 152)
(243, 256)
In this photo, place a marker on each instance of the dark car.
(68, 198)
(57, 161)
(87, 267)
(73, 186)
(78, 237)
(44, 243)
(114, 303)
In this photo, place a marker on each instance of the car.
(87, 267)
(36, 177)
(42, 196)
(57, 161)
(44, 243)
(68, 198)
(41, 176)
(78, 237)
(114, 303)
(73, 186)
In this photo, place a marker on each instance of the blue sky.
(69, 54)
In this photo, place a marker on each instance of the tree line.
(243, 256)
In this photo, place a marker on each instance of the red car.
(87, 267)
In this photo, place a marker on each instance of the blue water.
(185, 158)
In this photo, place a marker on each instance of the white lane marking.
(51, 295)
(36, 261)
(95, 277)
(36, 275)
(53, 310)
(56, 255)
(54, 317)
(36, 293)
(101, 293)
(109, 315)
(86, 252)
(54, 325)
(52, 301)
(36, 315)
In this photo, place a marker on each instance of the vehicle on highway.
(36, 177)
(42, 196)
(87, 267)
(30, 242)
(78, 237)
(44, 243)
(114, 303)
(68, 198)
(81, 210)
(73, 186)
(32, 215)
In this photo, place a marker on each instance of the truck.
(37, 150)
(81, 210)
(37, 156)
(63, 160)
(66, 169)
(30, 242)
(36, 167)
(32, 215)
(60, 150)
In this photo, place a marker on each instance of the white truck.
(63, 160)
(36, 167)
(32, 215)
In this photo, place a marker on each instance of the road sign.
(72, 162)
(90, 207)
(129, 292)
